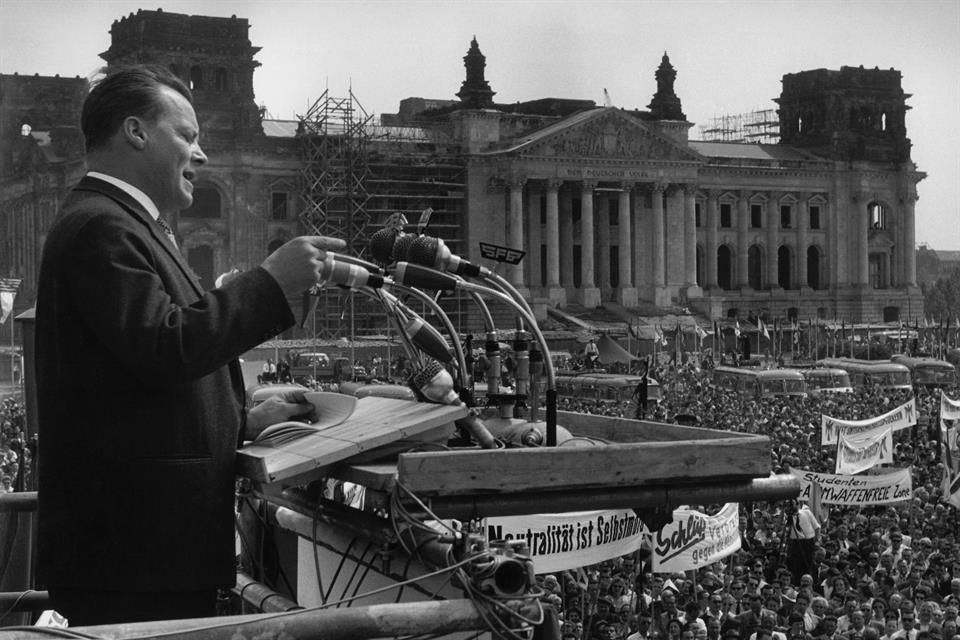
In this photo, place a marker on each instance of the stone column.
(627, 292)
(590, 295)
(743, 250)
(710, 251)
(693, 289)
(861, 228)
(516, 230)
(772, 222)
(565, 205)
(552, 231)
(601, 214)
(909, 250)
(534, 239)
(661, 295)
(803, 223)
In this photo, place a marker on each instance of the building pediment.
(606, 134)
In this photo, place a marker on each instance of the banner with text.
(559, 541)
(858, 491)
(902, 417)
(950, 448)
(695, 539)
(859, 453)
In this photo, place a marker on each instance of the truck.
(316, 366)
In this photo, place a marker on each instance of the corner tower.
(212, 55)
(851, 114)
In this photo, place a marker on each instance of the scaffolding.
(757, 127)
(333, 176)
(354, 175)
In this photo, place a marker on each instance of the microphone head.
(425, 251)
(425, 376)
(381, 245)
(401, 248)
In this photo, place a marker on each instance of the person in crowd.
(139, 387)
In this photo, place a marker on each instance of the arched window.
(878, 215)
(813, 268)
(755, 267)
(784, 267)
(196, 78)
(206, 203)
(725, 266)
(701, 278)
(220, 80)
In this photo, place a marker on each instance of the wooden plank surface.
(551, 468)
(631, 430)
(376, 422)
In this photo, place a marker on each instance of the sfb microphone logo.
(501, 254)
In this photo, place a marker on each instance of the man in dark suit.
(141, 397)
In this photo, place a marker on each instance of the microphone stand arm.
(390, 302)
(444, 318)
(527, 316)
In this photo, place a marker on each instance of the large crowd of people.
(889, 572)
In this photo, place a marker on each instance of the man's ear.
(135, 132)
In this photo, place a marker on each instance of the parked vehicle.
(764, 383)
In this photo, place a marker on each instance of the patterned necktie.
(167, 230)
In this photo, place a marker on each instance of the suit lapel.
(135, 209)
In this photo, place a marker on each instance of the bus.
(868, 373)
(822, 380)
(764, 383)
(610, 389)
(928, 372)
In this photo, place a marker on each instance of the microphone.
(428, 339)
(358, 262)
(414, 275)
(401, 247)
(434, 253)
(343, 273)
(381, 245)
(436, 385)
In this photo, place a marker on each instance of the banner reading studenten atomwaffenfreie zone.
(950, 448)
(559, 541)
(902, 417)
(694, 539)
(858, 491)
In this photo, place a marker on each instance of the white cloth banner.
(695, 539)
(950, 448)
(856, 490)
(856, 454)
(902, 417)
(559, 541)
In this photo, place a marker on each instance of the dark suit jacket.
(141, 401)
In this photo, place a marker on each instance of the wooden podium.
(377, 427)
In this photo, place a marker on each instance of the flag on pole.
(763, 328)
(736, 329)
(8, 292)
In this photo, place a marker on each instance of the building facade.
(609, 205)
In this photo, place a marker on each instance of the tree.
(942, 299)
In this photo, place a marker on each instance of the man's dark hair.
(123, 92)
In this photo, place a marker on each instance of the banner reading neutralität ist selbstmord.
(559, 541)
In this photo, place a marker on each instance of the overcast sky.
(730, 56)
